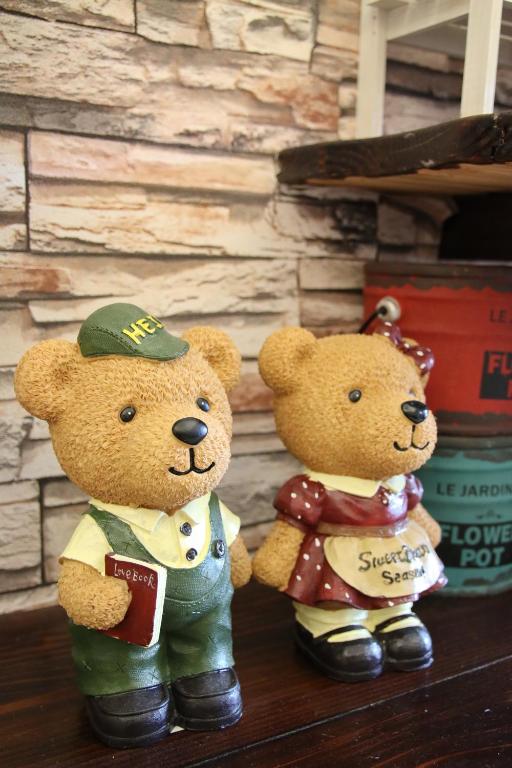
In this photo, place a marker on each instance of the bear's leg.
(205, 686)
(127, 698)
(338, 642)
(405, 640)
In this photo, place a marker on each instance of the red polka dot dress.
(357, 550)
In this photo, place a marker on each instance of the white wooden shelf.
(478, 31)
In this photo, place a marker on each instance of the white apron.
(401, 565)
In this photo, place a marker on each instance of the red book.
(146, 582)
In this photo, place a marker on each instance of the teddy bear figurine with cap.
(352, 545)
(140, 420)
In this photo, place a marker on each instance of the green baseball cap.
(125, 329)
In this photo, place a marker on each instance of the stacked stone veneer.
(137, 145)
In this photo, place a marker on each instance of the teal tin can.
(468, 489)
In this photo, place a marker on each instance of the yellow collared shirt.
(160, 534)
(357, 486)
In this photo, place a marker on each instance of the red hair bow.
(422, 356)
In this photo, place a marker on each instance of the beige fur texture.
(90, 599)
(241, 567)
(128, 463)
(427, 522)
(319, 424)
(276, 571)
(316, 420)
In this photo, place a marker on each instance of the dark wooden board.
(41, 712)
(438, 158)
(456, 723)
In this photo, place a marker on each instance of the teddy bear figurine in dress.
(140, 421)
(352, 544)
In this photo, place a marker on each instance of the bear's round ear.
(219, 351)
(280, 355)
(42, 374)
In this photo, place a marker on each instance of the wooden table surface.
(456, 714)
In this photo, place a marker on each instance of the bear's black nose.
(190, 430)
(415, 411)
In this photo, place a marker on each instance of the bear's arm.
(417, 511)
(90, 599)
(431, 527)
(275, 560)
(241, 569)
(299, 507)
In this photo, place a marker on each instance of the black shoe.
(208, 701)
(408, 648)
(346, 660)
(131, 719)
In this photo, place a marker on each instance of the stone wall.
(137, 145)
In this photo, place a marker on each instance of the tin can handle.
(389, 309)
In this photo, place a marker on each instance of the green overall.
(196, 624)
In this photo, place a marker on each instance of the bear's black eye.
(354, 395)
(203, 404)
(127, 413)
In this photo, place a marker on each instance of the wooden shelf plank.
(472, 155)
(457, 723)
(41, 712)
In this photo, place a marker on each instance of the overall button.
(191, 554)
(219, 548)
(186, 529)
